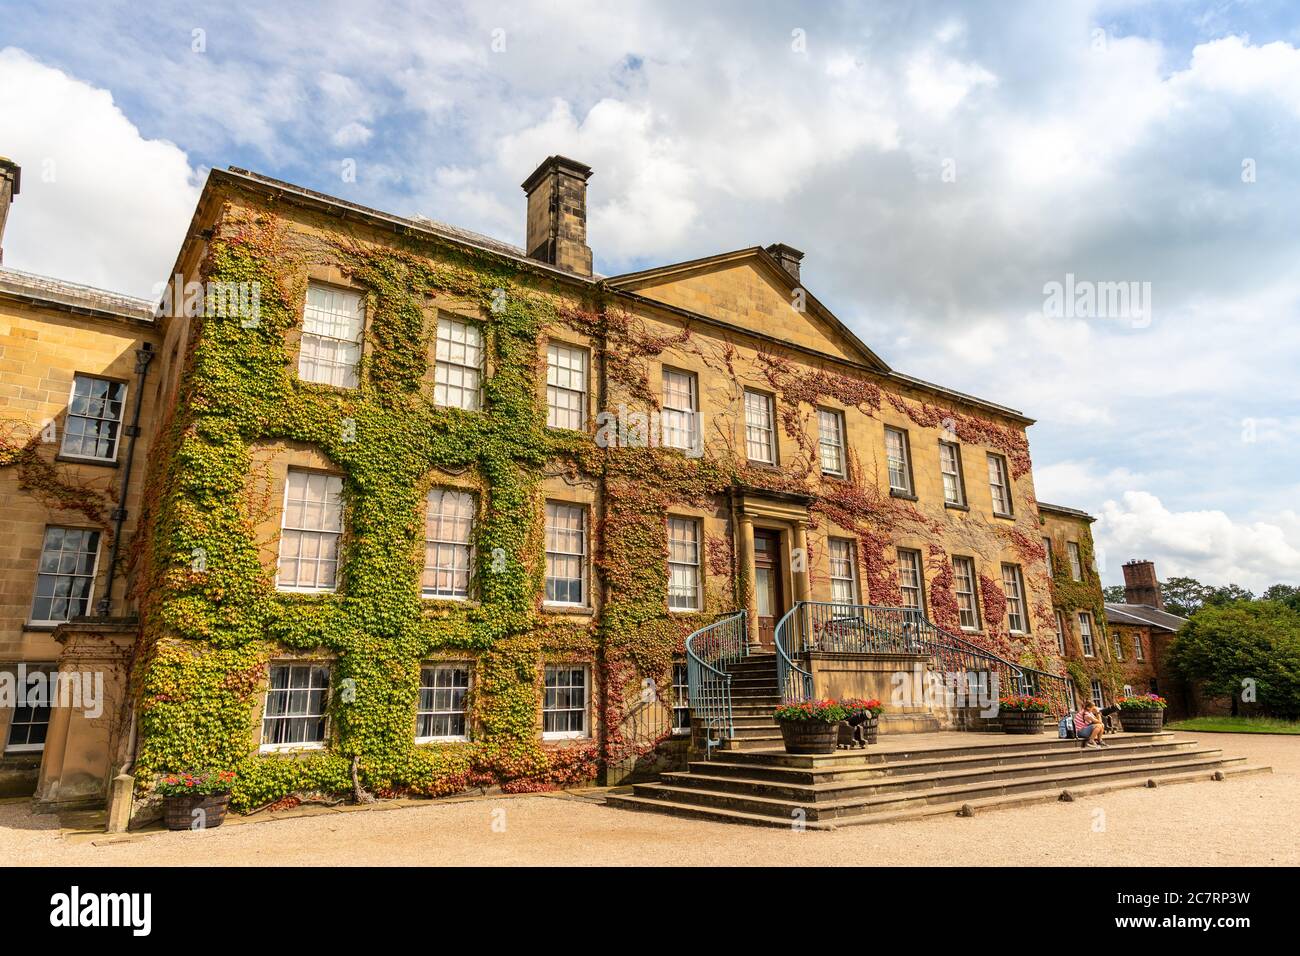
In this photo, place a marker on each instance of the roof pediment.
(749, 290)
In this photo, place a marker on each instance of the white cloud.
(1207, 545)
(100, 204)
(351, 134)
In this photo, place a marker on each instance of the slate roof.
(1144, 614)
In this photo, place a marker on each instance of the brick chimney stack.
(10, 179)
(788, 256)
(557, 215)
(1140, 584)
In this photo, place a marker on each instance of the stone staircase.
(754, 695)
(752, 780)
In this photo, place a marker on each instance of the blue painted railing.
(865, 629)
(791, 639)
(708, 650)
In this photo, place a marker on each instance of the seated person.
(1084, 727)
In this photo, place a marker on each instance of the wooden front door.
(767, 583)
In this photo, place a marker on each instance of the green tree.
(1113, 594)
(1244, 644)
(1288, 594)
(1226, 594)
(1183, 596)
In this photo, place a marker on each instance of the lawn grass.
(1237, 725)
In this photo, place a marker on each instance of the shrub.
(1142, 702)
(201, 784)
(1037, 705)
(821, 711)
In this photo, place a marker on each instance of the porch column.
(747, 595)
(799, 569)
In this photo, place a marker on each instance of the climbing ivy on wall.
(210, 626)
(210, 631)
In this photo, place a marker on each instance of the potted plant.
(195, 801)
(810, 726)
(1142, 714)
(1019, 714)
(860, 713)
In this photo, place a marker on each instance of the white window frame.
(911, 561)
(1076, 560)
(760, 426)
(1117, 640)
(958, 562)
(435, 711)
(900, 462)
(681, 699)
(1000, 486)
(1013, 580)
(830, 442)
(849, 561)
(324, 535)
(585, 732)
(581, 554)
(444, 364)
(1047, 548)
(48, 669)
(1098, 695)
(1139, 653)
(692, 568)
(1086, 638)
(679, 427)
(1060, 633)
(328, 689)
(347, 370)
(76, 576)
(447, 546)
(958, 479)
(1128, 690)
(559, 384)
(120, 421)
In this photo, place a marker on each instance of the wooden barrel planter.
(809, 736)
(1142, 721)
(1021, 721)
(178, 812)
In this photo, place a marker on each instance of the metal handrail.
(795, 682)
(708, 686)
(862, 628)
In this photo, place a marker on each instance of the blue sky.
(938, 164)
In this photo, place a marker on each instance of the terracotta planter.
(179, 812)
(1142, 721)
(809, 736)
(1021, 721)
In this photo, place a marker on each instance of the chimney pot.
(788, 257)
(10, 180)
(557, 214)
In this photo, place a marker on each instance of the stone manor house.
(376, 501)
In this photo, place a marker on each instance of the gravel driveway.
(1246, 821)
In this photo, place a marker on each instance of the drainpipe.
(143, 356)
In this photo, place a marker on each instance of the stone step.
(980, 744)
(831, 810)
(742, 767)
(628, 801)
(830, 791)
